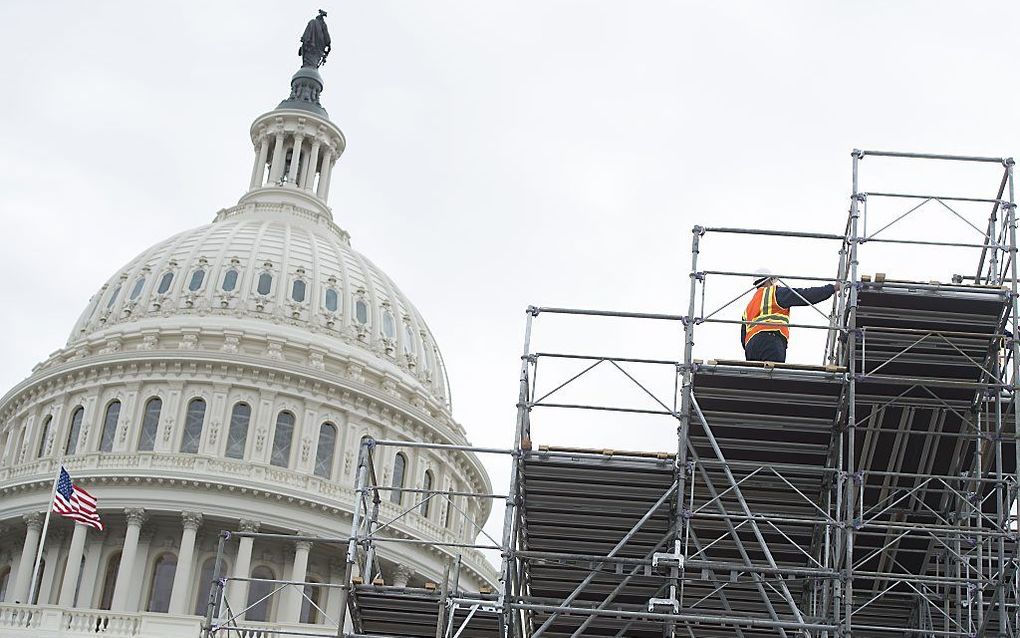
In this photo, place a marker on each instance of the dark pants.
(766, 346)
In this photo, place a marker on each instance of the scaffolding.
(872, 495)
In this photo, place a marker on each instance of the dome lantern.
(296, 145)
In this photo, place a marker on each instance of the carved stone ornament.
(230, 344)
(191, 520)
(315, 360)
(135, 516)
(33, 520)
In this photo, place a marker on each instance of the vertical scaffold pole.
(352, 544)
(1015, 345)
(215, 588)
(851, 397)
(521, 433)
(684, 417)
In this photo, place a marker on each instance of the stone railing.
(84, 621)
(36, 621)
(19, 617)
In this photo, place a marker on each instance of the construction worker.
(766, 328)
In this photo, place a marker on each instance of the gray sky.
(499, 155)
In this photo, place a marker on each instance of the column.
(295, 160)
(291, 611)
(90, 571)
(182, 576)
(72, 568)
(278, 158)
(259, 170)
(327, 167)
(237, 593)
(51, 555)
(309, 173)
(135, 518)
(22, 581)
(335, 576)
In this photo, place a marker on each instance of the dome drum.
(40, 426)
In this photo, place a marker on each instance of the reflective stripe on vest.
(764, 309)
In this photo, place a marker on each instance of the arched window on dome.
(265, 285)
(259, 594)
(361, 311)
(193, 422)
(109, 581)
(426, 485)
(332, 300)
(408, 339)
(75, 430)
(109, 432)
(113, 298)
(237, 434)
(161, 583)
(44, 437)
(311, 602)
(137, 290)
(282, 438)
(205, 578)
(150, 424)
(164, 282)
(325, 449)
(450, 509)
(297, 290)
(424, 358)
(197, 279)
(399, 469)
(389, 326)
(230, 280)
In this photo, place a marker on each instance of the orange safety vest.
(764, 308)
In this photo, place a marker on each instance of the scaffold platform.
(379, 610)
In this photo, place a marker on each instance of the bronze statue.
(315, 42)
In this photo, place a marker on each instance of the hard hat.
(761, 276)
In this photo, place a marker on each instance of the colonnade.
(300, 174)
(128, 592)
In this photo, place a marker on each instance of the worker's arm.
(790, 297)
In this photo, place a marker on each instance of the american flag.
(75, 503)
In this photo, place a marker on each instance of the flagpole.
(42, 538)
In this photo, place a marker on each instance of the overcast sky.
(499, 155)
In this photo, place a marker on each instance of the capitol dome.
(273, 270)
(225, 379)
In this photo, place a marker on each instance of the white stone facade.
(223, 380)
